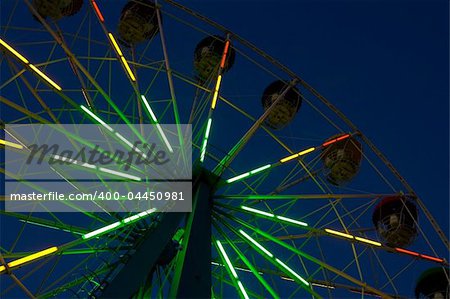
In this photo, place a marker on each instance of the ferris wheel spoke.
(36, 71)
(248, 264)
(16, 75)
(215, 95)
(84, 71)
(303, 254)
(51, 293)
(230, 269)
(270, 257)
(17, 281)
(231, 155)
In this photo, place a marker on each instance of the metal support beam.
(193, 270)
(134, 273)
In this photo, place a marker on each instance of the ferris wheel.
(289, 198)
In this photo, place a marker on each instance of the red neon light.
(97, 11)
(407, 251)
(336, 140)
(224, 56)
(431, 258)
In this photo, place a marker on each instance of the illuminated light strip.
(257, 211)
(286, 278)
(241, 176)
(65, 159)
(291, 157)
(368, 241)
(44, 76)
(208, 128)
(97, 11)
(306, 151)
(260, 169)
(291, 271)
(101, 231)
(2, 268)
(127, 67)
(117, 224)
(224, 56)
(256, 243)
(114, 43)
(102, 169)
(203, 150)
(11, 144)
(138, 216)
(237, 268)
(407, 251)
(205, 140)
(246, 174)
(122, 58)
(130, 144)
(216, 92)
(227, 260)
(322, 285)
(88, 165)
(292, 220)
(244, 270)
(14, 52)
(339, 233)
(34, 68)
(169, 147)
(336, 140)
(32, 257)
(241, 287)
(49, 226)
(272, 215)
(149, 109)
(83, 91)
(432, 258)
(98, 119)
(155, 120)
(121, 174)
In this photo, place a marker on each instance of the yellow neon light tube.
(127, 67)
(289, 158)
(11, 144)
(32, 257)
(44, 76)
(338, 233)
(368, 241)
(116, 46)
(306, 151)
(14, 52)
(216, 92)
(34, 68)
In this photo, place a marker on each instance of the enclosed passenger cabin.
(56, 9)
(208, 55)
(286, 108)
(395, 219)
(341, 156)
(433, 284)
(138, 22)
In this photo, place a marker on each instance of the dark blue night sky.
(384, 64)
